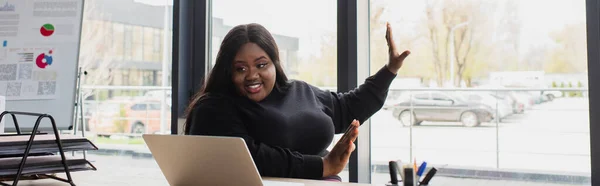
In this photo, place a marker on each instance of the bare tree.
(440, 61)
(458, 34)
(466, 13)
(97, 51)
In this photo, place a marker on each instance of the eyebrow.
(259, 58)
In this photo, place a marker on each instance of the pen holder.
(409, 177)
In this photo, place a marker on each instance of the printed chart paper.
(36, 39)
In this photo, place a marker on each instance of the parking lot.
(551, 136)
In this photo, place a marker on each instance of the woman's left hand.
(396, 59)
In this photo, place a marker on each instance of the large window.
(489, 86)
(124, 94)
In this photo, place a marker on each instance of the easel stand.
(79, 110)
(30, 143)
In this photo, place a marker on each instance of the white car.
(504, 105)
(550, 95)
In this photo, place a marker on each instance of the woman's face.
(253, 72)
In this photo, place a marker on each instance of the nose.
(252, 74)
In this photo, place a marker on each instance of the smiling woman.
(287, 125)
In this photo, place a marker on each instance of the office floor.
(125, 170)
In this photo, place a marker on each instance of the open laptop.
(206, 160)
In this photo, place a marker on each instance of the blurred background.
(489, 85)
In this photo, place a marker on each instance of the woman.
(287, 125)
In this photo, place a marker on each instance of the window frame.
(191, 35)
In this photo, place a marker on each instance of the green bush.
(579, 85)
(564, 93)
(571, 93)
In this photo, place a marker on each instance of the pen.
(393, 166)
(421, 170)
(401, 169)
(415, 177)
(415, 164)
(428, 176)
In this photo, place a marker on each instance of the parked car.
(441, 106)
(136, 117)
(537, 96)
(158, 94)
(526, 97)
(552, 94)
(520, 102)
(494, 100)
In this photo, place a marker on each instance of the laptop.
(206, 160)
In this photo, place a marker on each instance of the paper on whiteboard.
(28, 73)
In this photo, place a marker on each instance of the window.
(150, 55)
(440, 97)
(118, 34)
(154, 106)
(138, 43)
(149, 78)
(139, 107)
(422, 96)
(157, 44)
(487, 50)
(128, 43)
(134, 31)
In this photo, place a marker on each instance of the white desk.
(79, 180)
(316, 182)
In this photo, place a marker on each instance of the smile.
(253, 88)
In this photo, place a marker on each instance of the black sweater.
(289, 131)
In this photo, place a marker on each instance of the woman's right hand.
(336, 160)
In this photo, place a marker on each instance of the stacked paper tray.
(41, 165)
(43, 144)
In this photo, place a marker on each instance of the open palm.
(396, 59)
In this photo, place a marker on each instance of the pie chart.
(44, 60)
(47, 30)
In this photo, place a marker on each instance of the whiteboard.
(39, 52)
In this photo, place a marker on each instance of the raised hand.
(337, 159)
(396, 59)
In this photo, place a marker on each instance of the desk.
(142, 181)
(316, 182)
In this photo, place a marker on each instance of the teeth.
(254, 86)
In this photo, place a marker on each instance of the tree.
(416, 65)
(436, 37)
(97, 51)
(320, 69)
(457, 33)
(569, 55)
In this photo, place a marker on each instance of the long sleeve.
(219, 117)
(360, 103)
